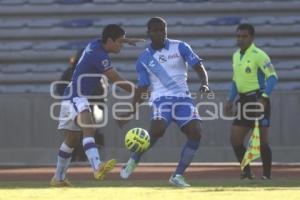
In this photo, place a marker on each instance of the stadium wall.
(29, 135)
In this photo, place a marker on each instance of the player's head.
(157, 30)
(112, 38)
(245, 35)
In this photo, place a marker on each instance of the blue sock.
(137, 156)
(187, 155)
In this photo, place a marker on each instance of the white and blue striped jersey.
(165, 70)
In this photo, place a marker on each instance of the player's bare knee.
(89, 132)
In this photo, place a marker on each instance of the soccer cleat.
(63, 183)
(248, 175)
(178, 181)
(128, 168)
(104, 168)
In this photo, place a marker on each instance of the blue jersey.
(165, 70)
(93, 61)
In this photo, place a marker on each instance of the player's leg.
(161, 118)
(72, 135)
(157, 130)
(64, 157)
(86, 122)
(193, 132)
(187, 118)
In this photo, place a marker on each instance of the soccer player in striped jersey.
(163, 66)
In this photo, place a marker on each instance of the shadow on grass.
(204, 185)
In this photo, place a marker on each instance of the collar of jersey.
(166, 46)
(250, 48)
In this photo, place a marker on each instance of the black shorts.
(242, 116)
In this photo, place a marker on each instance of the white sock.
(91, 152)
(63, 161)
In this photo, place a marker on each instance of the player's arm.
(201, 72)
(141, 89)
(265, 64)
(115, 77)
(193, 60)
(132, 41)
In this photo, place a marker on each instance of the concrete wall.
(29, 135)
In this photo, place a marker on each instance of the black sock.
(266, 157)
(239, 153)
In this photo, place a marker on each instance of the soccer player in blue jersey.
(163, 66)
(75, 114)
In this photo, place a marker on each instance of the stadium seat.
(81, 23)
(225, 21)
(40, 2)
(42, 23)
(73, 45)
(73, 1)
(15, 46)
(48, 46)
(17, 68)
(12, 2)
(258, 20)
(50, 67)
(13, 24)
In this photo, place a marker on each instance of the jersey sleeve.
(102, 61)
(188, 55)
(142, 73)
(265, 64)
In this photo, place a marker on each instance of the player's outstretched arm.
(137, 99)
(200, 69)
(133, 41)
(115, 77)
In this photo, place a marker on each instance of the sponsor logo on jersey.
(105, 63)
(173, 56)
(162, 58)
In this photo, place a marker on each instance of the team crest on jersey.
(162, 58)
(248, 70)
(105, 63)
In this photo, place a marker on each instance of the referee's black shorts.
(244, 118)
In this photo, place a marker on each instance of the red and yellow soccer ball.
(137, 140)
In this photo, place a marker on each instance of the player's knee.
(158, 133)
(89, 132)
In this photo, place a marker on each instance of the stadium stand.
(46, 33)
(37, 37)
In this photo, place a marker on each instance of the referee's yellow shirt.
(251, 69)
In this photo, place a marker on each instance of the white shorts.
(68, 112)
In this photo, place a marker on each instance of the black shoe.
(248, 175)
(265, 178)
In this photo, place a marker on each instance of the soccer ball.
(137, 140)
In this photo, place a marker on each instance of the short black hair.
(248, 27)
(112, 31)
(155, 20)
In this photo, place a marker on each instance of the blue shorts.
(181, 110)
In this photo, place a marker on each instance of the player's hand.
(204, 89)
(228, 109)
(133, 41)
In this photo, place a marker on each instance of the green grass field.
(153, 190)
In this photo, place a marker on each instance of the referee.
(253, 81)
